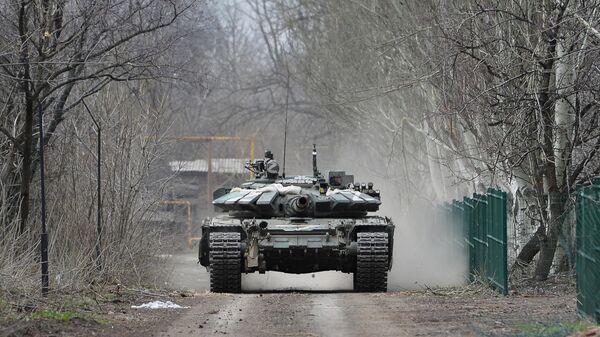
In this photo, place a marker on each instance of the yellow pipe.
(210, 138)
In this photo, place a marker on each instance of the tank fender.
(388, 227)
(207, 227)
(375, 228)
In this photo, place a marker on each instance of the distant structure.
(189, 185)
(218, 166)
(192, 181)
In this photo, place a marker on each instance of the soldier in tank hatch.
(271, 166)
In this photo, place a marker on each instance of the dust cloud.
(427, 253)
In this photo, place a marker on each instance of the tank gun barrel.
(299, 204)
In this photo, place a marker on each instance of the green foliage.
(80, 302)
(102, 321)
(55, 315)
(558, 329)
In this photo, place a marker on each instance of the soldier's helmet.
(269, 154)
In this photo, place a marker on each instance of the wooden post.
(209, 173)
(44, 234)
(189, 224)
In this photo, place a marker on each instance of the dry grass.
(131, 147)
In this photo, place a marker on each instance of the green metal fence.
(482, 222)
(588, 250)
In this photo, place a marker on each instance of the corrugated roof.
(219, 165)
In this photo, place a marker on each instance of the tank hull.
(301, 245)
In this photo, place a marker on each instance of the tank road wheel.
(371, 262)
(225, 262)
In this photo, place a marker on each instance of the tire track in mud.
(364, 314)
(282, 314)
(329, 312)
(293, 314)
(329, 316)
(357, 314)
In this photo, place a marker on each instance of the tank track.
(225, 262)
(371, 262)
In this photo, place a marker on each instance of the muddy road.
(295, 314)
(332, 310)
(351, 314)
(305, 305)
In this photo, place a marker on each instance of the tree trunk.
(548, 124)
(26, 136)
(548, 244)
(26, 165)
(530, 250)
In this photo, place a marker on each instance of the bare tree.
(536, 87)
(55, 53)
(479, 92)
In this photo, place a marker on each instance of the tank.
(297, 224)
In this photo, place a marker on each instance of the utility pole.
(44, 234)
(98, 188)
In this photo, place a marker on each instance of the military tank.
(297, 224)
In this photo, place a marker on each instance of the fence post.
(497, 263)
(480, 237)
(595, 239)
(580, 244)
(468, 221)
(459, 233)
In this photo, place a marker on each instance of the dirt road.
(342, 313)
(292, 314)
(351, 314)
(326, 307)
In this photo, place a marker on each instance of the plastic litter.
(159, 305)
